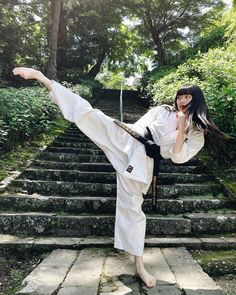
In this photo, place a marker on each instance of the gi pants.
(118, 146)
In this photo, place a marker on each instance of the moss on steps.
(17, 159)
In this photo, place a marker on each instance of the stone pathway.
(103, 271)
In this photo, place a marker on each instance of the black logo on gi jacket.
(130, 168)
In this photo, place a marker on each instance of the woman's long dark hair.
(199, 118)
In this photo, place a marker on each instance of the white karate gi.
(124, 151)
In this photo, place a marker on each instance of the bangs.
(185, 89)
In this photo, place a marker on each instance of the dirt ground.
(227, 283)
(14, 268)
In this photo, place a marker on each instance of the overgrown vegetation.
(16, 159)
(215, 73)
(216, 263)
(27, 112)
(14, 267)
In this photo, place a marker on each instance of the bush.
(215, 73)
(27, 112)
(24, 113)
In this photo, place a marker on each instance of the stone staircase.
(66, 199)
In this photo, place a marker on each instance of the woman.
(179, 131)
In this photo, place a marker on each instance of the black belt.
(152, 151)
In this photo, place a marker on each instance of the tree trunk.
(156, 38)
(62, 40)
(161, 56)
(96, 68)
(52, 64)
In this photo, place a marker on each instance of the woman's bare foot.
(141, 272)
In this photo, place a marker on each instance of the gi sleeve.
(72, 106)
(190, 148)
(149, 117)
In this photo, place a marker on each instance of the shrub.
(215, 73)
(27, 112)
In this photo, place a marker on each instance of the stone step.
(104, 271)
(77, 205)
(100, 158)
(74, 150)
(96, 167)
(63, 188)
(42, 244)
(70, 138)
(72, 157)
(85, 145)
(38, 223)
(106, 177)
(204, 222)
(105, 167)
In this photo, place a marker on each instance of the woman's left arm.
(190, 147)
(181, 125)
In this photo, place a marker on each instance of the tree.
(92, 34)
(165, 21)
(52, 64)
(23, 36)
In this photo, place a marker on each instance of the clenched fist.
(26, 73)
(181, 121)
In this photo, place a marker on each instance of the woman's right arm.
(29, 73)
(72, 106)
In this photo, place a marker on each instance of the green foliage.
(112, 80)
(211, 38)
(23, 36)
(215, 73)
(24, 113)
(229, 21)
(149, 78)
(27, 112)
(94, 86)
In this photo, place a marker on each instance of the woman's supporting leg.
(130, 224)
(141, 272)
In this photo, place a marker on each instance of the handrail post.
(121, 101)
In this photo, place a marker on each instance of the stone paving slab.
(189, 274)
(118, 275)
(84, 275)
(203, 292)
(156, 264)
(47, 277)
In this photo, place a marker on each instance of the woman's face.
(183, 101)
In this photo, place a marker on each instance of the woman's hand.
(27, 73)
